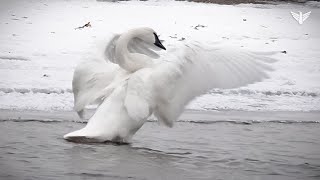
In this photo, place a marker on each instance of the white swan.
(131, 85)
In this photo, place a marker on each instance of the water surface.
(225, 146)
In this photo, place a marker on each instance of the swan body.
(135, 82)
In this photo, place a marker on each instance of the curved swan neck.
(127, 60)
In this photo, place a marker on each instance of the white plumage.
(136, 82)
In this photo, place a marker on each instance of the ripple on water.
(187, 151)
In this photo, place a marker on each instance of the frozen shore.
(39, 48)
(206, 117)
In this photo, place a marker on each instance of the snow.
(40, 47)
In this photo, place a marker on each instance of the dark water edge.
(191, 116)
(31, 148)
(229, 2)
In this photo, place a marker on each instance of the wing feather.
(89, 79)
(138, 95)
(95, 79)
(198, 71)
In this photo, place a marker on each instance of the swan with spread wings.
(135, 82)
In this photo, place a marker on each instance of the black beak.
(158, 42)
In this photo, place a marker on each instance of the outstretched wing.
(90, 78)
(306, 15)
(95, 79)
(198, 70)
(295, 16)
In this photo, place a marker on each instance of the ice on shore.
(39, 48)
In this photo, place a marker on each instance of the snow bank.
(39, 48)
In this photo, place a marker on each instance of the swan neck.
(127, 60)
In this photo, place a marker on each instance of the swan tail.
(80, 136)
(80, 139)
(84, 136)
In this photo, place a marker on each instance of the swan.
(133, 82)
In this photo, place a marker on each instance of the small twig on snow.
(86, 25)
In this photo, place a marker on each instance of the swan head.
(135, 49)
(148, 35)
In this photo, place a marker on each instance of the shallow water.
(225, 146)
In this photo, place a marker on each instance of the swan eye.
(158, 42)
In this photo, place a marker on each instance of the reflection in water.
(109, 160)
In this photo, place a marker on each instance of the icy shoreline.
(245, 100)
(188, 116)
(39, 48)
